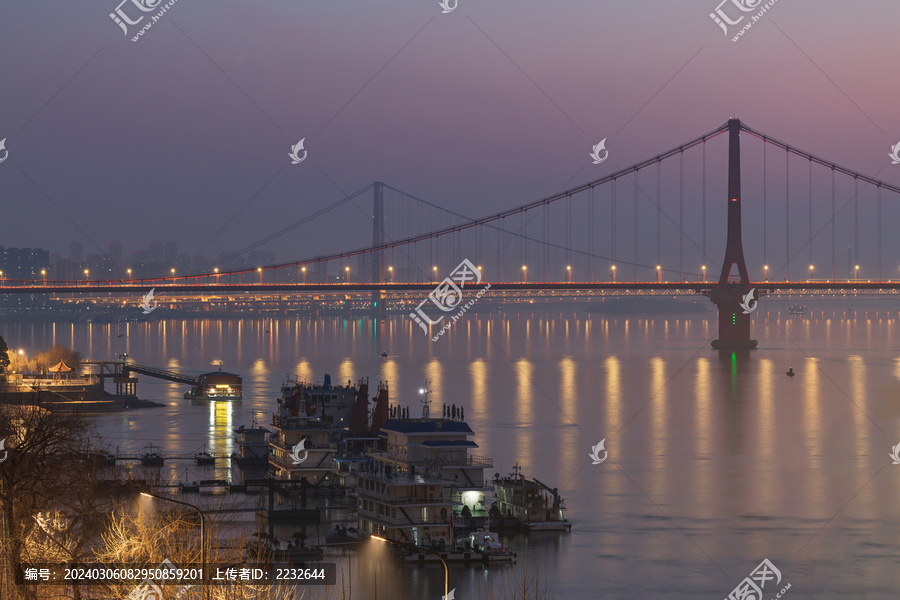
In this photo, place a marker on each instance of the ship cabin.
(440, 448)
(301, 448)
(404, 506)
(217, 385)
(253, 447)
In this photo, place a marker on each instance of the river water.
(716, 460)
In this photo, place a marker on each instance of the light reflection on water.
(716, 461)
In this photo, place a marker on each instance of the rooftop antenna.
(426, 402)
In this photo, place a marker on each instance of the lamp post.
(766, 272)
(809, 278)
(87, 275)
(704, 272)
(259, 270)
(391, 270)
(1, 278)
(614, 273)
(129, 274)
(856, 271)
(569, 271)
(441, 558)
(434, 270)
(347, 271)
(658, 274)
(202, 532)
(44, 275)
(303, 270)
(525, 273)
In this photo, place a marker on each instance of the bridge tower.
(377, 264)
(734, 325)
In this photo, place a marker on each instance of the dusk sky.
(487, 107)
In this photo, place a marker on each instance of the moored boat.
(527, 501)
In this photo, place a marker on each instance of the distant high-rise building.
(262, 258)
(170, 255)
(76, 252)
(115, 251)
(156, 251)
(24, 263)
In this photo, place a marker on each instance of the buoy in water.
(790, 372)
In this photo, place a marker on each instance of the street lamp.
(857, 272)
(303, 269)
(129, 273)
(87, 274)
(347, 271)
(44, 275)
(525, 273)
(259, 270)
(202, 531)
(766, 272)
(569, 271)
(614, 273)
(704, 272)
(658, 274)
(809, 278)
(391, 269)
(419, 548)
(435, 273)
(1, 277)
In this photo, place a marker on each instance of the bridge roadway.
(623, 287)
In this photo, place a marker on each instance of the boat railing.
(415, 520)
(472, 460)
(401, 500)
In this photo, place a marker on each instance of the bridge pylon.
(734, 325)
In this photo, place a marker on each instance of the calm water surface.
(716, 460)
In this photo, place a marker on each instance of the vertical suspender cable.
(810, 215)
(612, 223)
(856, 220)
(787, 210)
(765, 194)
(703, 258)
(681, 213)
(878, 231)
(636, 173)
(659, 212)
(591, 230)
(832, 225)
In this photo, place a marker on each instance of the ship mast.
(426, 414)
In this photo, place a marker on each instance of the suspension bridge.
(642, 230)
